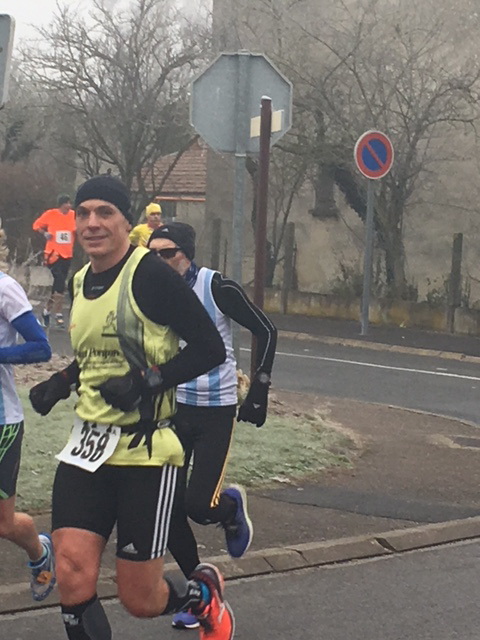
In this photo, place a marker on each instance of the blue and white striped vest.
(218, 387)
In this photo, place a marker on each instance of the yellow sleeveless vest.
(100, 331)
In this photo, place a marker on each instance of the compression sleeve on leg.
(86, 621)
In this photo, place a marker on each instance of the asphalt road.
(446, 387)
(427, 595)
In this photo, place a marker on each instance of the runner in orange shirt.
(58, 228)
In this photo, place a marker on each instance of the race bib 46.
(63, 237)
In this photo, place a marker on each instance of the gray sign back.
(216, 101)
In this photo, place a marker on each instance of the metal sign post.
(373, 155)
(241, 134)
(241, 140)
(368, 258)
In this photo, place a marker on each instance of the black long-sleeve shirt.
(164, 297)
(232, 300)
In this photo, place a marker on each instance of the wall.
(445, 202)
(194, 213)
(382, 312)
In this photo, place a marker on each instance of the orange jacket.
(62, 228)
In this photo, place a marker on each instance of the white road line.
(374, 366)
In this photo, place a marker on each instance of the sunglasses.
(166, 254)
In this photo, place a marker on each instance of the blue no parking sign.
(373, 154)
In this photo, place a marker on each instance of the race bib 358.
(90, 444)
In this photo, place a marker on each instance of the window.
(169, 210)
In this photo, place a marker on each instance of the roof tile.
(188, 177)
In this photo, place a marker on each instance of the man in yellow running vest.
(120, 463)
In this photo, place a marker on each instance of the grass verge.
(44, 438)
(287, 448)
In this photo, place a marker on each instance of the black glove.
(126, 392)
(45, 395)
(254, 407)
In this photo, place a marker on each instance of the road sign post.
(226, 97)
(373, 155)
(7, 28)
(241, 137)
(368, 257)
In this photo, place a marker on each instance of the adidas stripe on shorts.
(138, 500)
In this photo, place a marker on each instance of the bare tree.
(30, 179)
(399, 73)
(364, 64)
(26, 189)
(22, 126)
(119, 80)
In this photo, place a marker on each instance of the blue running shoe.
(43, 573)
(238, 532)
(185, 620)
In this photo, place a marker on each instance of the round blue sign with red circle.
(373, 154)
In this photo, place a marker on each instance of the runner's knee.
(76, 576)
(139, 608)
(141, 604)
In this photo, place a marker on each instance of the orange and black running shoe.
(216, 618)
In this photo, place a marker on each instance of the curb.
(424, 412)
(15, 598)
(379, 346)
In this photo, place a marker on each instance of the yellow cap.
(153, 207)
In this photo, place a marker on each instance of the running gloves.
(126, 392)
(254, 407)
(44, 396)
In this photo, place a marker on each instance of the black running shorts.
(137, 499)
(59, 270)
(11, 436)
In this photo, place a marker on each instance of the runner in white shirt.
(16, 317)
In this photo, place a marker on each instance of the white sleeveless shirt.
(218, 387)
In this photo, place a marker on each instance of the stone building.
(329, 233)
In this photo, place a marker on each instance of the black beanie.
(181, 233)
(106, 188)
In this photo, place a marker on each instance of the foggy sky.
(28, 12)
(39, 12)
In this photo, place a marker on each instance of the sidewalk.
(388, 335)
(412, 470)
